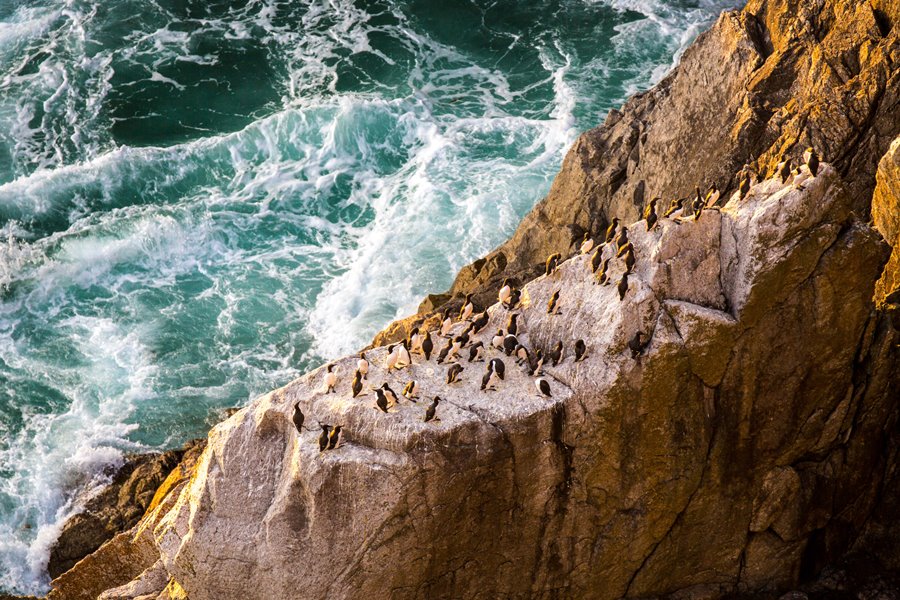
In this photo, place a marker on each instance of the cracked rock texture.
(742, 450)
(765, 81)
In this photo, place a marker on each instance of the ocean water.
(201, 199)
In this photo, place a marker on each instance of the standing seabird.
(330, 379)
(537, 362)
(629, 260)
(453, 373)
(712, 195)
(587, 244)
(446, 324)
(411, 390)
(334, 437)
(552, 263)
(602, 277)
(650, 214)
(323, 437)
(512, 325)
(480, 322)
(429, 412)
(403, 357)
(509, 343)
(579, 350)
(504, 293)
(596, 259)
(298, 418)
(556, 354)
(390, 394)
(812, 161)
(381, 400)
(611, 230)
(543, 387)
(476, 352)
(356, 386)
(414, 340)
(362, 365)
(622, 238)
(623, 286)
(392, 357)
(553, 304)
(467, 308)
(637, 345)
(427, 346)
(497, 340)
(523, 357)
(676, 205)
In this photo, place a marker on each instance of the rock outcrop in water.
(754, 441)
(740, 447)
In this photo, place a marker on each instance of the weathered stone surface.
(886, 217)
(771, 79)
(718, 461)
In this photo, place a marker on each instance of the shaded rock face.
(740, 449)
(118, 506)
(767, 81)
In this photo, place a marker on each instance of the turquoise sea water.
(199, 200)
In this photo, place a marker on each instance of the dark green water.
(200, 200)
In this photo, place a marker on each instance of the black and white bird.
(650, 213)
(553, 304)
(390, 362)
(624, 250)
(637, 344)
(496, 365)
(552, 263)
(509, 343)
(476, 352)
(555, 355)
(432, 409)
(497, 340)
(543, 387)
(467, 308)
(812, 161)
(622, 238)
(298, 418)
(580, 349)
(381, 400)
(536, 366)
(505, 292)
(362, 365)
(611, 230)
(446, 324)
(357, 386)
(390, 394)
(480, 322)
(414, 340)
(514, 297)
(523, 356)
(453, 373)
(629, 260)
(712, 195)
(404, 359)
(411, 390)
(323, 437)
(330, 380)
(596, 259)
(512, 324)
(676, 205)
(602, 276)
(427, 346)
(622, 287)
(334, 437)
(445, 352)
(587, 244)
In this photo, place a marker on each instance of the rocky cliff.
(753, 441)
(739, 449)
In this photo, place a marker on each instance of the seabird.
(497, 340)
(411, 390)
(509, 343)
(362, 365)
(323, 437)
(512, 325)
(522, 355)
(414, 340)
(403, 357)
(480, 322)
(537, 362)
(596, 259)
(556, 354)
(697, 204)
(453, 373)
(812, 161)
(552, 263)
(381, 400)
(476, 352)
(624, 249)
(623, 286)
(622, 239)
(298, 418)
(611, 230)
(579, 350)
(427, 346)
(389, 393)
(446, 324)
(455, 347)
(712, 195)
(429, 412)
(676, 205)
(784, 169)
(445, 352)
(514, 298)
(334, 437)
(486, 380)
(636, 345)
(602, 277)
(392, 357)
(330, 379)
(650, 214)
(357, 386)
(496, 365)
(629, 260)
(543, 387)
(744, 188)
(467, 308)
(587, 244)
(504, 293)
(552, 304)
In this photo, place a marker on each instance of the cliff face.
(753, 441)
(771, 80)
(739, 450)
